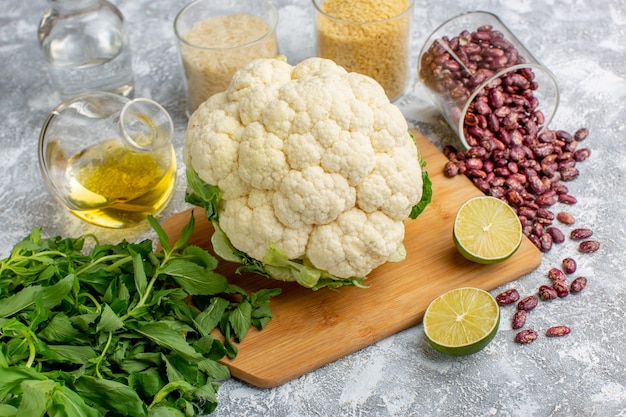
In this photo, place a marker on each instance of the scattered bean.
(507, 297)
(589, 246)
(565, 217)
(567, 199)
(519, 319)
(556, 234)
(578, 284)
(558, 331)
(580, 233)
(547, 293)
(569, 265)
(581, 134)
(526, 336)
(561, 288)
(555, 274)
(528, 303)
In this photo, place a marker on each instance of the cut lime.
(487, 230)
(461, 321)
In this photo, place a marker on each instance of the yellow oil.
(112, 186)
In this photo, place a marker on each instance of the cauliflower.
(307, 172)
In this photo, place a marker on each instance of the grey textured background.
(581, 41)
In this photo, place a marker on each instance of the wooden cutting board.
(312, 328)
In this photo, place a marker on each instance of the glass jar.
(372, 39)
(485, 82)
(218, 37)
(86, 47)
(109, 159)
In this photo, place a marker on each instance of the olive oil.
(113, 186)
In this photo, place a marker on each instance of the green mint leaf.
(164, 335)
(241, 319)
(8, 411)
(146, 382)
(263, 296)
(111, 395)
(163, 239)
(199, 256)
(35, 394)
(194, 278)
(201, 194)
(172, 373)
(210, 317)
(109, 321)
(55, 294)
(185, 234)
(141, 282)
(164, 410)
(69, 354)
(12, 376)
(20, 301)
(71, 404)
(214, 369)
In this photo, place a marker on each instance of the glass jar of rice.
(218, 37)
(370, 37)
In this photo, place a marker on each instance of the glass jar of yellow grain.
(218, 37)
(370, 37)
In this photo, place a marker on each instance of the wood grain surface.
(312, 328)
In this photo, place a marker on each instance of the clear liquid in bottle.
(85, 45)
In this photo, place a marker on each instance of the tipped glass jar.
(109, 159)
(86, 47)
(485, 82)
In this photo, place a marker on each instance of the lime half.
(461, 321)
(487, 230)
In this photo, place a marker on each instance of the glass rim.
(181, 38)
(355, 22)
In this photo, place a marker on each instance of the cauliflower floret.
(255, 215)
(310, 161)
(329, 193)
(356, 243)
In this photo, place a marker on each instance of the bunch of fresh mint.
(118, 329)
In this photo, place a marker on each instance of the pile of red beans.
(511, 155)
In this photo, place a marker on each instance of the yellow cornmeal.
(363, 40)
(364, 10)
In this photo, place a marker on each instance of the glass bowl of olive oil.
(109, 159)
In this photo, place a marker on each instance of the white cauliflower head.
(309, 161)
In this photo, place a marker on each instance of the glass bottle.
(109, 159)
(86, 47)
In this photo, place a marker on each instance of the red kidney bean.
(565, 217)
(526, 336)
(519, 319)
(589, 246)
(555, 274)
(562, 290)
(547, 293)
(567, 199)
(528, 303)
(557, 235)
(556, 331)
(578, 284)
(569, 265)
(580, 233)
(507, 297)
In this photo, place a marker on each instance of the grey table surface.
(583, 374)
